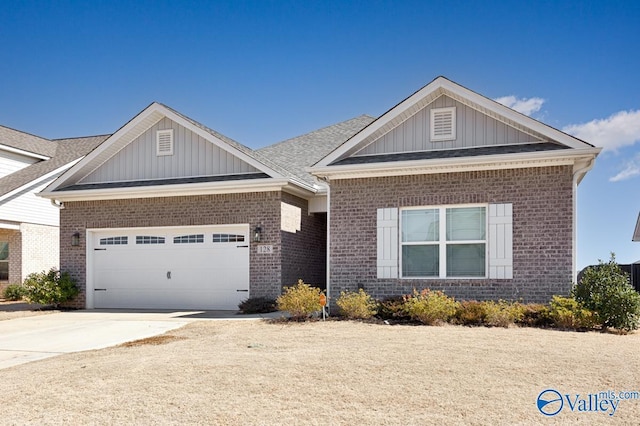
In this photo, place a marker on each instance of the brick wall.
(261, 209)
(542, 230)
(14, 238)
(40, 248)
(305, 252)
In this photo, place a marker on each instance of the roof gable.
(636, 234)
(473, 129)
(408, 112)
(130, 142)
(192, 155)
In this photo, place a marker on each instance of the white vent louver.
(443, 124)
(164, 142)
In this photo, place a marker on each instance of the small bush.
(357, 305)
(471, 312)
(257, 305)
(49, 288)
(430, 307)
(300, 300)
(567, 313)
(14, 292)
(392, 308)
(535, 315)
(502, 313)
(605, 290)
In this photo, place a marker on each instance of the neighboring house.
(636, 233)
(29, 224)
(447, 190)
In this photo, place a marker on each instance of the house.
(29, 224)
(447, 190)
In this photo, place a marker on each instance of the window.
(164, 142)
(227, 238)
(444, 242)
(443, 124)
(144, 239)
(114, 241)
(4, 261)
(189, 239)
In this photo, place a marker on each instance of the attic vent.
(443, 124)
(164, 142)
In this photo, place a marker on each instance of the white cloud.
(631, 169)
(526, 106)
(616, 131)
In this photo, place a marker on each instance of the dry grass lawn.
(253, 372)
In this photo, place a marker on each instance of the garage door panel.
(187, 275)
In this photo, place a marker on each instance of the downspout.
(578, 174)
(58, 205)
(325, 182)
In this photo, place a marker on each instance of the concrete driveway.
(33, 338)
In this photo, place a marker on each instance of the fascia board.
(514, 116)
(397, 110)
(38, 180)
(10, 226)
(204, 188)
(23, 152)
(449, 165)
(86, 165)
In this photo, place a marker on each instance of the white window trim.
(159, 135)
(449, 136)
(442, 243)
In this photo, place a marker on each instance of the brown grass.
(250, 372)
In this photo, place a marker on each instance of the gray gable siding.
(192, 156)
(473, 129)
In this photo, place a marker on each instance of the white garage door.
(170, 268)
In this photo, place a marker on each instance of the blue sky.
(263, 71)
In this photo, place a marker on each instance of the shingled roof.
(27, 142)
(299, 153)
(66, 151)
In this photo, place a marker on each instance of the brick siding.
(305, 252)
(267, 271)
(542, 201)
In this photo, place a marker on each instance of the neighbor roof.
(27, 142)
(67, 151)
(299, 153)
(636, 234)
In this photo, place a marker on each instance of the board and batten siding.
(192, 156)
(25, 206)
(473, 129)
(11, 162)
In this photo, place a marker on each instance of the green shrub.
(49, 288)
(392, 308)
(257, 305)
(605, 290)
(471, 312)
(430, 307)
(14, 292)
(357, 305)
(502, 313)
(300, 300)
(567, 313)
(535, 315)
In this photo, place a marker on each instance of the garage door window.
(148, 239)
(189, 239)
(114, 241)
(227, 238)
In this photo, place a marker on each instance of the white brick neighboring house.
(29, 237)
